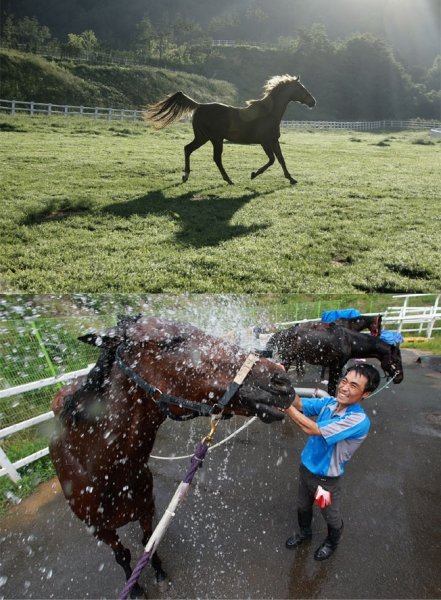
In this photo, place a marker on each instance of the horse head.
(301, 94)
(184, 362)
(392, 364)
(375, 325)
(293, 90)
(281, 345)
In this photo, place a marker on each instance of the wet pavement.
(227, 540)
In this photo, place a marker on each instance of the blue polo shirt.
(327, 454)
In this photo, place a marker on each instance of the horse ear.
(102, 341)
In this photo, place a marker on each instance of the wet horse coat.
(332, 347)
(107, 423)
(373, 323)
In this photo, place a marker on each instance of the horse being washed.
(257, 123)
(107, 422)
(332, 346)
(371, 322)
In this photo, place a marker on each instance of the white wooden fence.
(362, 125)
(8, 468)
(16, 107)
(423, 320)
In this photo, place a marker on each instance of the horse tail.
(170, 109)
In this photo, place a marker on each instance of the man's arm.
(305, 423)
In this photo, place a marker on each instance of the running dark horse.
(257, 123)
(107, 422)
(332, 347)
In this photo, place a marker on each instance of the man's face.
(351, 388)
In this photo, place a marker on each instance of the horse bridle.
(164, 401)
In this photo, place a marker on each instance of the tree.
(433, 79)
(370, 83)
(8, 31)
(74, 45)
(163, 35)
(145, 34)
(186, 31)
(80, 44)
(89, 41)
(26, 33)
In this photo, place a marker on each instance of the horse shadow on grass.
(203, 219)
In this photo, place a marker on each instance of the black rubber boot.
(328, 547)
(304, 518)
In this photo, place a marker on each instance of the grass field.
(98, 207)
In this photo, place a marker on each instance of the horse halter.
(163, 401)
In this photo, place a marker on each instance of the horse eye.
(171, 343)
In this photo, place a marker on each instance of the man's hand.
(305, 423)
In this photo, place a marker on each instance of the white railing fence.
(422, 319)
(17, 107)
(362, 125)
(7, 467)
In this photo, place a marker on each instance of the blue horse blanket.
(391, 337)
(328, 316)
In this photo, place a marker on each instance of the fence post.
(32, 108)
(13, 108)
(403, 313)
(9, 467)
(431, 323)
(49, 110)
(43, 348)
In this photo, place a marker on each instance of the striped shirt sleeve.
(354, 425)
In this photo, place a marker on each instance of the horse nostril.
(280, 379)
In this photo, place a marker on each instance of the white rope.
(387, 384)
(247, 424)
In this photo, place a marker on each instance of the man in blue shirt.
(340, 428)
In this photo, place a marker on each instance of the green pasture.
(97, 206)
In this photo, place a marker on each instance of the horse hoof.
(137, 592)
(253, 175)
(163, 583)
(184, 178)
(293, 181)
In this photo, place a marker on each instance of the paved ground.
(228, 539)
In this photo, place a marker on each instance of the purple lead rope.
(195, 463)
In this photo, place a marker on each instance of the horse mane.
(75, 406)
(272, 84)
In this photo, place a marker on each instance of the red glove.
(322, 497)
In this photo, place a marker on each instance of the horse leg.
(218, 146)
(188, 149)
(161, 578)
(122, 556)
(270, 154)
(334, 374)
(279, 155)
